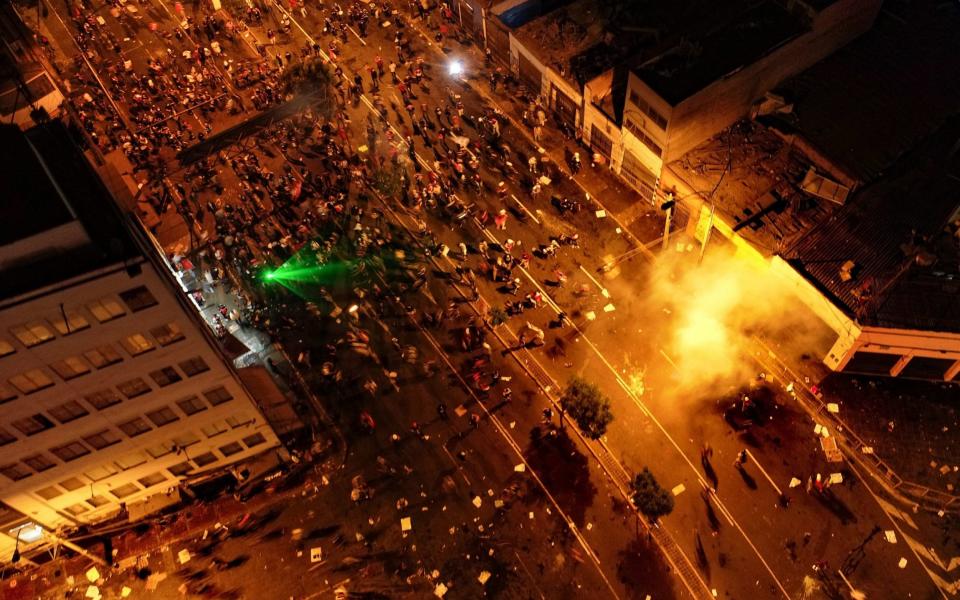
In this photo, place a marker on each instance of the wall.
(246, 419)
(720, 104)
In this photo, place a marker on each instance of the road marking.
(362, 41)
(523, 206)
(603, 290)
(459, 467)
(669, 360)
(762, 470)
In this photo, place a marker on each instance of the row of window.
(100, 357)
(68, 321)
(128, 489)
(643, 137)
(648, 110)
(72, 409)
(37, 463)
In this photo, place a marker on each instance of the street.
(371, 241)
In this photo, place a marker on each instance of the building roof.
(677, 48)
(871, 101)
(737, 39)
(57, 220)
(759, 193)
(901, 234)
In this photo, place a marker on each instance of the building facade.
(112, 391)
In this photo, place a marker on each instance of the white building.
(111, 391)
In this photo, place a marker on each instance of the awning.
(275, 406)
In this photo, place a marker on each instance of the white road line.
(523, 206)
(602, 289)
(762, 470)
(362, 41)
(669, 360)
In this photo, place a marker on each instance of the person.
(741, 459)
(507, 395)
(475, 420)
(442, 410)
(576, 163)
(501, 220)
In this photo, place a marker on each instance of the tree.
(586, 405)
(651, 499)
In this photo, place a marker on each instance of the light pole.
(667, 206)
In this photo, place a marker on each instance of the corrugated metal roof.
(881, 229)
(873, 100)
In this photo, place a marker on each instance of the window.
(31, 381)
(102, 472)
(180, 469)
(254, 440)
(73, 323)
(194, 366)
(6, 437)
(138, 298)
(102, 439)
(33, 425)
(160, 450)
(187, 439)
(214, 429)
(191, 405)
(134, 459)
(102, 399)
(6, 348)
(641, 135)
(72, 484)
(68, 411)
(49, 493)
(217, 396)
(70, 367)
(152, 480)
(162, 416)
(134, 427)
(167, 334)
(104, 356)
(645, 108)
(33, 333)
(165, 376)
(128, 489)
(205, 459)
(136, 344)
(39, 462)
(15, 471)
(106, 309)
(133, 388)
(6, 394)
(77, 509)
(70, 451)
(231, 449)
(240, 420)
(97, 501)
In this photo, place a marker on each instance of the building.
(112, 390)
(863, 221)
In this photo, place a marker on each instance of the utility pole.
(706, 234)
(667, 206)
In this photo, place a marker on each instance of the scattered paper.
(183, 556)
(406, 524)
(817, 429)
(477, 501)
(794, 482)
(520, 468)
(679, 489)
(92, 592)
(591, 316)
(531, 514)
(891, 536)
(619, 231)
(92, 574)
(440, 590)
(484, 576)
(460, 411)
(836, 478)
(903, 563)
(316, 554)
(601, 214)
(605, 293)
(609, 308)
(866, 449)
(833, 407)
(125, 591)
(498, 503)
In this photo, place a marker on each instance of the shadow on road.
(564, 470)
(643, 571)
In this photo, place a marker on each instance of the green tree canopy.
(587, 406)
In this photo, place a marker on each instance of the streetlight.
(455, 68)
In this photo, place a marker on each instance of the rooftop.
(57, 221)
(902, 234)
(759, 194)
(680, 46)
(871, 101)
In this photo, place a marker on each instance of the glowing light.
(29, 533)
(455, 68)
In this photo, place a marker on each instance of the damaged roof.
(873, 100)
(901, 234)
